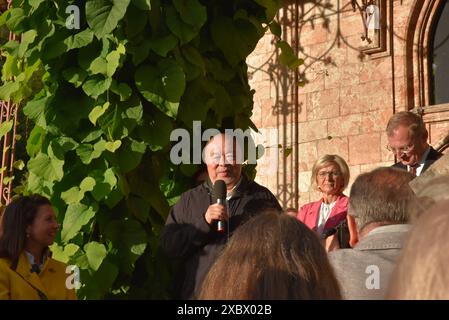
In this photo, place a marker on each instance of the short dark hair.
(18, 215)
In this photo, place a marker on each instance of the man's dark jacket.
(432, 156)
(188, 236)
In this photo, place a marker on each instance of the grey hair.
(381, 196)
(433, 191)
(408, 119)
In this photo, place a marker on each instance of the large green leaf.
(66, 143)
(49, 168)
(76, 194)
(97, 112)
(35, 110)
(194, 57)
(112, 146)
(8, 89)
(5, 127)
(10, 67)
(63, 254)
(220, 70)
(112, 123)
(191, 12)
(35, 3)
(105, 182)
(34, 143)
(38, 185)
(194, 109)
(162, 45)
(130, 237)
(104, 15)
(16, 17)
(142, 4)
(130, 155)
(79, 40)
(96, 85)
(139, 208)
(121, 89)
(95, 252)
(136, 20)
(139, 51)
(75, 75)
(184, 31)
(149, 191)
(235, 38)
(88, 152)
(105, 276)
(276, 29)
(156, 131)
(27, 39)
(76, 216)
(163, 86)
(99, 65)
(113, 59)
(271, 8)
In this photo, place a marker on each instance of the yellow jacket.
(18, 284)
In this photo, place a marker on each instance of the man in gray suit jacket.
(377, 222)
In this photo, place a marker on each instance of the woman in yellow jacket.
(27, 271)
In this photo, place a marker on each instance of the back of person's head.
(272, 256)
(433, 191)
(17, 216)
(407, 119)
(381, 196)
(421, 272)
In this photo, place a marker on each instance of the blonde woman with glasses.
(330, 176)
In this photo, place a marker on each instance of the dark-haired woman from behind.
(27, 271)
(272, 256)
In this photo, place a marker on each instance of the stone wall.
(347, 99)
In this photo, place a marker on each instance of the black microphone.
(220, 195)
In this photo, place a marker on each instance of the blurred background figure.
(272, 256)
(421, 272)
(27, 271)
(330, 176)
(377, 222)
(430, 193)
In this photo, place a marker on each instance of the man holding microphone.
(201, 222)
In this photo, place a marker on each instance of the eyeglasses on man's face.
(324, 174)
(402, 150)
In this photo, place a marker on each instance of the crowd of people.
(381, 241)
(338, 247)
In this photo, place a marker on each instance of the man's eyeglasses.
(402, 150)
(324, 174)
